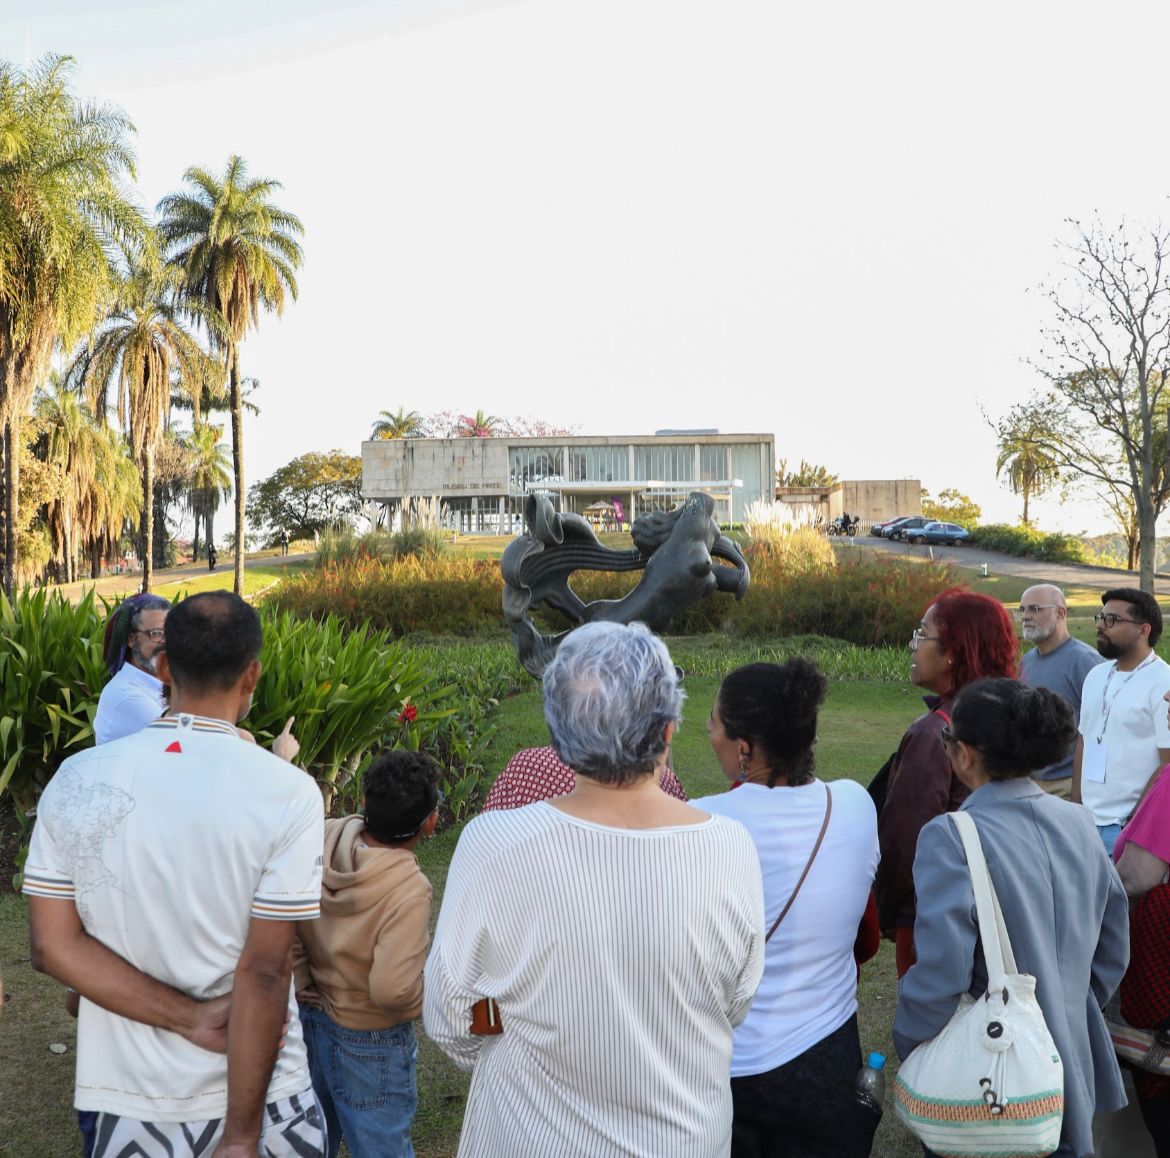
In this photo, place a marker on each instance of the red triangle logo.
(173, 747)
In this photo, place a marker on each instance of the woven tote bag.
(991, 1082)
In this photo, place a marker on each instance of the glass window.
(712, 463)
(664, 463)
(599, 464)
(534, 467)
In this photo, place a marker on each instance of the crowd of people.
(623, 971)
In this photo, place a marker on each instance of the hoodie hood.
(358, 877)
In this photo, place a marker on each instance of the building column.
(503, 515)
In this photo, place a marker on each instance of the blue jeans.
(364, 1081)
(1109, 834)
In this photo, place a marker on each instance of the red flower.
(408, 715)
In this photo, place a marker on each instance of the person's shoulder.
(851, 794)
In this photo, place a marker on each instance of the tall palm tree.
(1024, 458)
(209, 479)
(62, 205)
(401, 424)
(478, 425)
(138, 349)
(239, 254)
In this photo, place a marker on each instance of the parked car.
(877, 528)
(905, 527)
(884, 530)
(950, 533)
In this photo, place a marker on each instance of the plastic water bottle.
(871, 1082)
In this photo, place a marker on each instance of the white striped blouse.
(621, 959)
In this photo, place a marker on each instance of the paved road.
(997, 564)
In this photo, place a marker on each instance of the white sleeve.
(290, 885)
(48, 870)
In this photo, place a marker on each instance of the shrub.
(1026, 542)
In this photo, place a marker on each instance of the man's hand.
(209, 1030)
(310, 996)
(286, 745)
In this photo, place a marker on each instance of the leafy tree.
(402, 424)
(805, 475)
(138, 349)
(313, 493)
(1106, 355)
(1024, 457)
(477, 425)
(239, 254)
(62, 204)
(951, 506)
(209, 478)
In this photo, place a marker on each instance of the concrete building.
(482, 482)
(871, 500)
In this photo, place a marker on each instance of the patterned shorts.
(293, 1128)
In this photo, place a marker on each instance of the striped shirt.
(620, 959)
(169, 842)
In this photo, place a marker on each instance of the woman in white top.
(619, 930)
(797, 1054)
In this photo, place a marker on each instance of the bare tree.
(1106, 354)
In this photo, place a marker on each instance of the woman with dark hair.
(963, 637)
(1063, 905)
(794, 1059)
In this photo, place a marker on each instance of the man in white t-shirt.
(1125, 738)
(165, 872)
(133, 646)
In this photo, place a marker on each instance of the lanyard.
(1107, 707)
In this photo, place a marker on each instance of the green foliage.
(51, 673)
(1029, 543)
(342, 547)
(952, 506)
(1024, 456)
(806, 475)
(311, 494)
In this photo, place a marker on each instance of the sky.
(828, 222)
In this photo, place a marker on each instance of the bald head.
(1043, 616)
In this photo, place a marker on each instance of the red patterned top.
(538, 774)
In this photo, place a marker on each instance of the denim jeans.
(365, 1084)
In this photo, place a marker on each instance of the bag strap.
(997, 945)
(808, 864)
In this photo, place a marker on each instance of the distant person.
(619, 931)
(1057, 662)
(1124, 736)
(963, 637)
(1063, 905)
(284, 542)
(191, 856)
(796, 1055)
(359, 967)
(212, 556)
(132, 646)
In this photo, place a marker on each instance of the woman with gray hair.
(618, 932)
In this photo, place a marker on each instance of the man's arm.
(259, 1008)
(1078, 758)
(60, 947)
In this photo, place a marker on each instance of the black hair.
(1145, 608)
(401, 789)
(123, 620)
(774, 707)
(1016, 729)
(211, 639)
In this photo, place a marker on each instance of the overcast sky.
(825, 221)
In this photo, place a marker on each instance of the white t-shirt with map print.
(169, 842)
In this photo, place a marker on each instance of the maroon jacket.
(922, 786)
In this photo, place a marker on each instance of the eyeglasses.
(1033, 608)
(947, 737)
(407, 835)
(1108, 619)
(919, 637)
(155, 634)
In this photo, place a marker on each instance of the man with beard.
(133, 644)
(1125, 737)
(1057, 662)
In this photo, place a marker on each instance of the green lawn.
(860, 725)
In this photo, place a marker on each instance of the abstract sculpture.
(676, 549)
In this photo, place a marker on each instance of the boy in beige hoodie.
(359, 967)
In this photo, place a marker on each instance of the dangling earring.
(743, 762)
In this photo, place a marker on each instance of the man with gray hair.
(1057, 662)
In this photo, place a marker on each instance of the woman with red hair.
(963, 637)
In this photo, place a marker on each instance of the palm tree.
(62, 204)
(210, 477)
(138, 349)
(1030, 468)
(479, 425)
(402, 424)
(238, 253)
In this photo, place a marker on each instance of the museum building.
(481, 483)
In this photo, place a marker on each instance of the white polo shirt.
(170, 842)
(1123, 717)
(132, 699)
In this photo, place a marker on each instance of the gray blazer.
(1068, 919)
